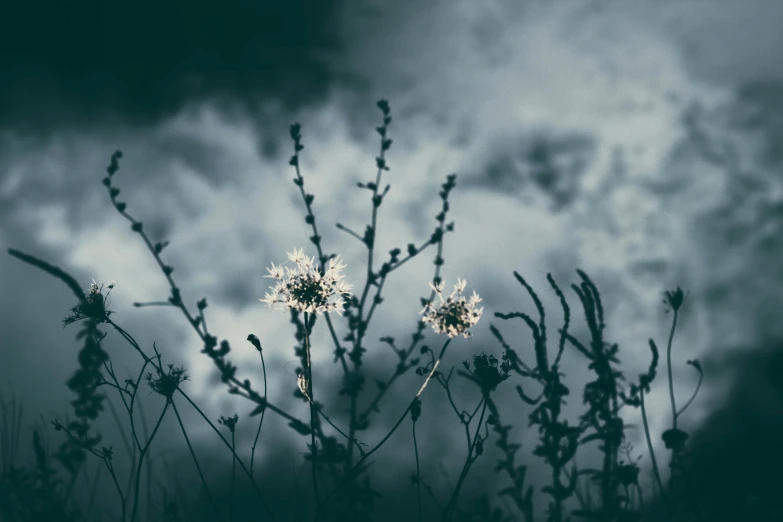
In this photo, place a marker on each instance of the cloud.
(80, 63)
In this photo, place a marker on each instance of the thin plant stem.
(357, 466)
(695, 393)
(656, 471)
(116, 418)
(141, 461)
(226, 443)
(418, 471)
(669, 370)
(312, 411)
(193, 455)
(148, 469)
(261, 421)
(466, 466)
(233, 478)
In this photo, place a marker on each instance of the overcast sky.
(664, 119)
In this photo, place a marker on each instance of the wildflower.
(487, 372)
(167, 383)
(305, 289)
(674, 298)
(229, 422)
(94, 306)
(456, 314)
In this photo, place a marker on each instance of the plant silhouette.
(340, 444)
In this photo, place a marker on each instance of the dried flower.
(488, 372)
(229, 422)
(95, 305)
(674, 298)
(301, 381)
(166, 384)
(456, 314)
(305, 289)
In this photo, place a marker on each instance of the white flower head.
(304, 288)
(456, 314)
(95, 292)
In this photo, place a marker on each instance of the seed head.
(305, 289)
(95, 305)
(456, 314)
(229, 422)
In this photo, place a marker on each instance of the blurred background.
(638, 141)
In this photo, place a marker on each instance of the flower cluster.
(487, 372)
(166, 384)
(305, 289)
(95, 305)
(456, 314)
(229, 422)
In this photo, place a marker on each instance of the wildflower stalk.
(669, 368)
(466, 467)
(233, 452)
(105, 455)
(311, 398)
(418, 470)
(227, 370)
(416, 337)
(601, 395)
(237, 385)
(354, 470)
(522, 499)
(233, 478)
(148, 468)
(263, 411)
(141, 461)
(654, 461)
(193, 456)
(295, 132)
(149, 361)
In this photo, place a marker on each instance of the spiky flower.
(95, 305)
(305, 289)
(456, 314)
(166, 384)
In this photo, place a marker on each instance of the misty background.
(661, 123)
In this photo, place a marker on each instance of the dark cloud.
(79, 61)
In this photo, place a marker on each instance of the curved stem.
(260, 422)
(341, 432)
(695, 393)
(669, 369)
